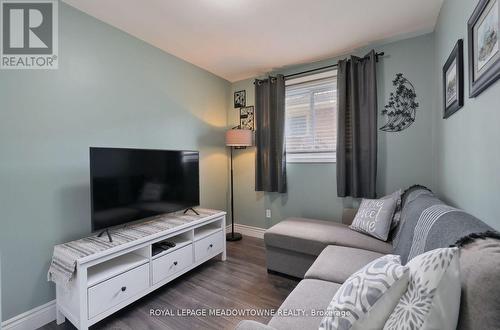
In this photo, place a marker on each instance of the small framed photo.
(453, 80)
(247, 118)
(483, 46)
(240, 99)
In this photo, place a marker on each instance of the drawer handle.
(211, 246)
(124, 288)
(175, 263)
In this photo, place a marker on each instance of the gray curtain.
(270, 161)
(357, 127)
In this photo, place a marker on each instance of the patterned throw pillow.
(374, 216)
(367, 297)
(432, 300)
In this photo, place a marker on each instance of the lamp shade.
(239, 138)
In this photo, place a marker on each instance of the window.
(311, 118)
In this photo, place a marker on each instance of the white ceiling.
(238, 39)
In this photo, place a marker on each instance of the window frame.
(311, 157)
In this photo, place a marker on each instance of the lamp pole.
(232, 236)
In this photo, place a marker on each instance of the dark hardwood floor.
(241, 282)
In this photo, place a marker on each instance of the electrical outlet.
(268, 213)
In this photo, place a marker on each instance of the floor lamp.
(236, 138)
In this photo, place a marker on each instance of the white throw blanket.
(64, 260)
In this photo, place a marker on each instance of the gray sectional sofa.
(324, 254)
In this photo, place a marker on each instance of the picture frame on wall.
(247, 118)
(240, 99)
(453, 80)
(483, 46)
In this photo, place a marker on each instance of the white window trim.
(312, 157)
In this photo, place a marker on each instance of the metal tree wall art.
(402, 107)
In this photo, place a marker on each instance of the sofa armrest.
(348, 216)
(252, 325)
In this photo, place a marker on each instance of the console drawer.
(208, 246)
(107, 294)
(171, 263)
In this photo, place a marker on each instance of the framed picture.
(247, 118)
(484, 51)
(240, 99)
(453, 80)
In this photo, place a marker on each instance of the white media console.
(107, 281)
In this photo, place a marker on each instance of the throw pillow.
(396, 219)
(397, 212)
(374, 216)
(367, 297)
(432, 300)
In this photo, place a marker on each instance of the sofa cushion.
(480, 281)
(309, 296)
(288, 262)
(312, 236)
(337, 263)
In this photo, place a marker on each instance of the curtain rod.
(377, 55)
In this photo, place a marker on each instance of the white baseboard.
(247, 230)
(32, 319)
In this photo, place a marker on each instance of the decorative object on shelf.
(484, 48)
(240, 99)
(453, 80)
(247, 118)
(236, 138)
(402, 107)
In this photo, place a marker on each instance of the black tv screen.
(132, 184)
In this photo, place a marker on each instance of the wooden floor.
(241, 282)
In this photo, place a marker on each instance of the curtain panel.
(270, 160)
(357, 127)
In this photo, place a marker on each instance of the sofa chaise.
(324, 254)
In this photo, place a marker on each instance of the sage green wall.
(404, 158)
(466, 151)
(110, 90)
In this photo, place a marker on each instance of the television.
(133, 184)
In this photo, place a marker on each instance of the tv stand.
(190, 208)
(107, 232)
(109, 280)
